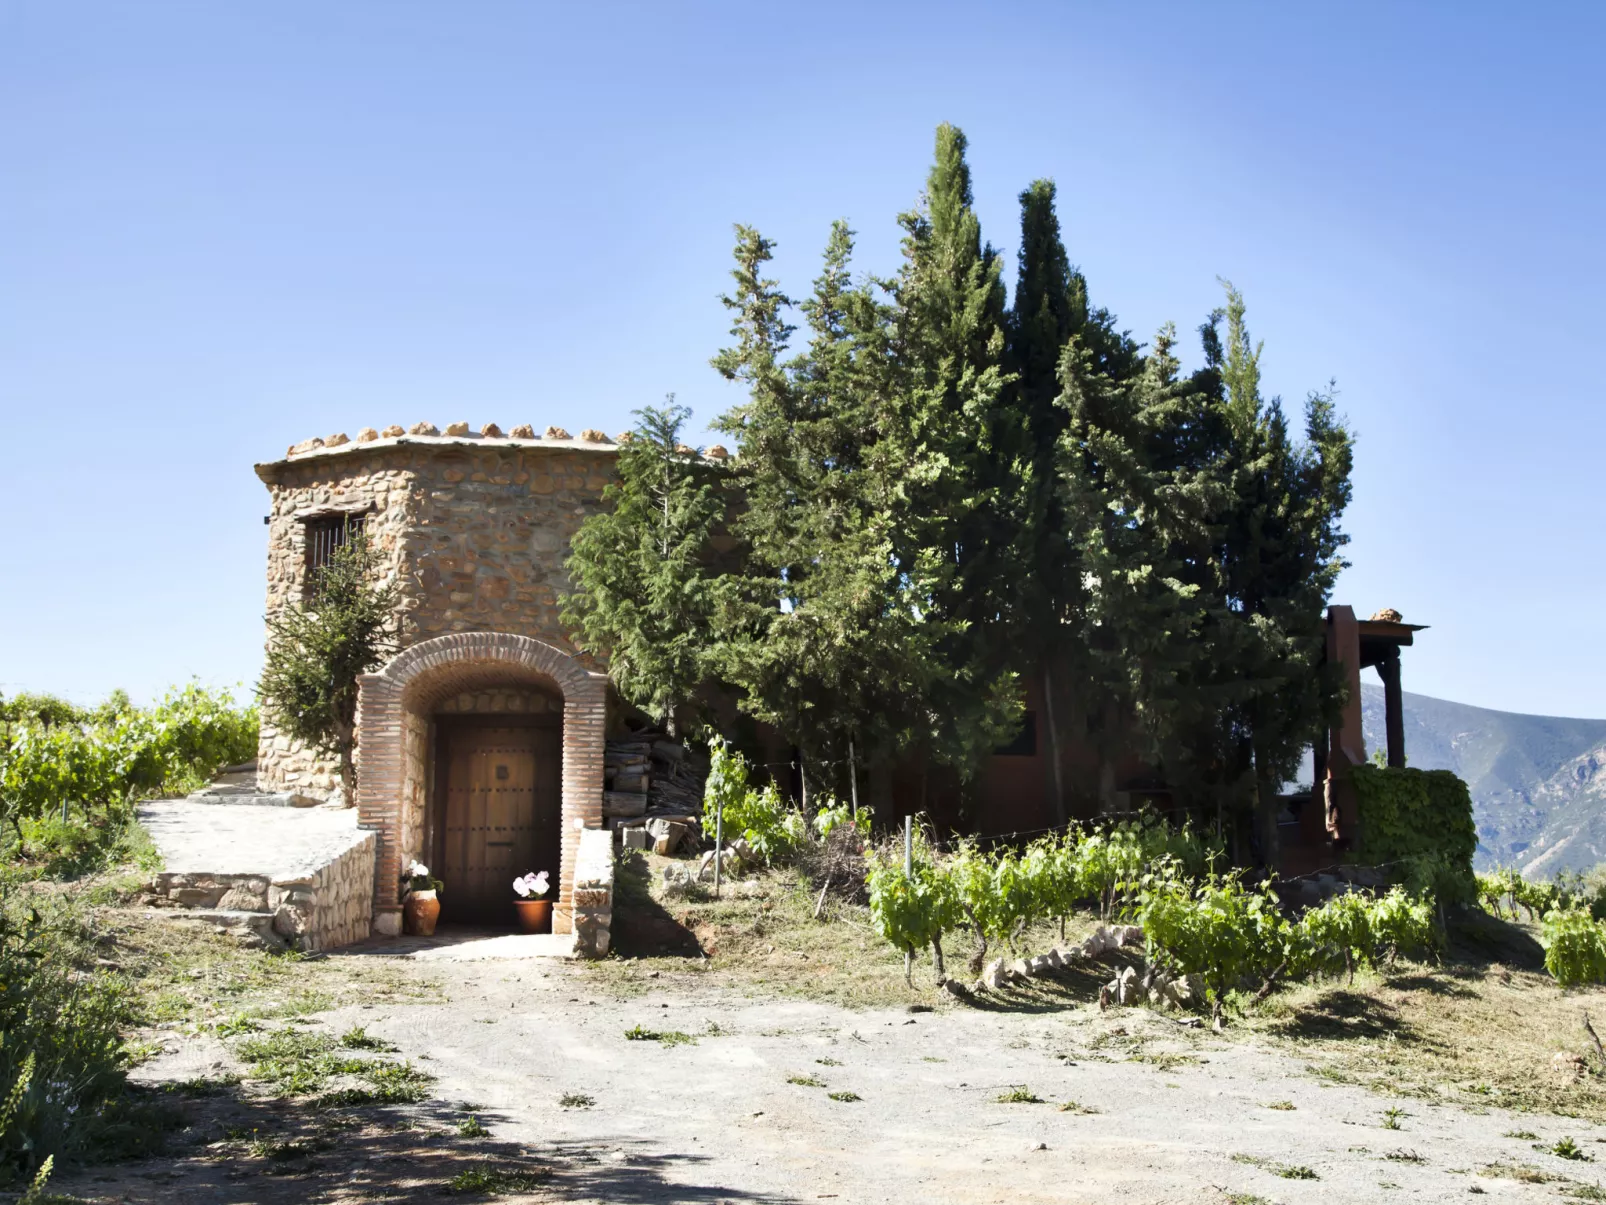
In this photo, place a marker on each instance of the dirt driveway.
(747, 1099)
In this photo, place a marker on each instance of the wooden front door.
(499, 778)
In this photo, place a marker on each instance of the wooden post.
(1054, 745)
(853, 782)
(1393, 706)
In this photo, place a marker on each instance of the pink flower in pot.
(534, 913)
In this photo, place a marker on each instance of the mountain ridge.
(1538, 791)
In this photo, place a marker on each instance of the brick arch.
(393, 708)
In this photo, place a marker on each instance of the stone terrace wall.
(473, 531)
(323, 906)
(336, 902)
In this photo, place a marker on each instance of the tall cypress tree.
(964, 491)
(831, 641)
(1281, 556)
(1050, 310)
(645, 593)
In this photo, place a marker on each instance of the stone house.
(480, 744)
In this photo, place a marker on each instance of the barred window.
(327, 533)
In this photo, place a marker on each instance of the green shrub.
(1356, 929)
(834, 815)
(94, 764)
(769, 825)
(1575, 947)
(1420, 823)
(62, 1060)
(1218, 929)
(912, 909)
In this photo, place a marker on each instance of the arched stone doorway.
(394, 757)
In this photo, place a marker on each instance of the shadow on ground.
(643, 927)
(1341, 1013)
(1478, 939)
(240, 1149)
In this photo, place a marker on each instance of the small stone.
(996, 975)
(592, 436)
(423, 429)
(367, 435)
(457, 428)
(686, 449)
(556, 433)
(1020, 969)
(306, 445)
(491, 431)
(242, 898)
(289, 921)
(335, 440)
(522, 431)
(392, 431)
(717, 452)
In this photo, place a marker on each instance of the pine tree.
(1277, 552)
(828, 641)
(645, 594)
(965, 489)
(318, 648)
(1050, 309)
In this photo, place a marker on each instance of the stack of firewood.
(650, 776)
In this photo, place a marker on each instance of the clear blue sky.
(227, 227)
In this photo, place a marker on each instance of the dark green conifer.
(645, 594)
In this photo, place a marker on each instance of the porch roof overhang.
(1379, 638)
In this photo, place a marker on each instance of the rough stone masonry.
(473, 529)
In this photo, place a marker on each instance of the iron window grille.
(327, 534)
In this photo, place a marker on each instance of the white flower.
(531, 885)
(417, 870)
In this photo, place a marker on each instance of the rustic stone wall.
(473, 530)
(321, 906)
(590, 905)
(418, 748)
(335, 903)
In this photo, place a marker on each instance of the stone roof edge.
(266, 468)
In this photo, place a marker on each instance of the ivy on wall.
(1420, 821)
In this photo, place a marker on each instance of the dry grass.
(1475, 1032)
(190, 974)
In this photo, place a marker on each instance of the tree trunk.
(1266, 806)
(936, 959)
(346, 743)
(1061, 815)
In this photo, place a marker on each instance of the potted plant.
(421, 904)
(535, 913)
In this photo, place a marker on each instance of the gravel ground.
(1160, 1112)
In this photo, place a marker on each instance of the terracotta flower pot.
(535, 916)
(420, 911)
